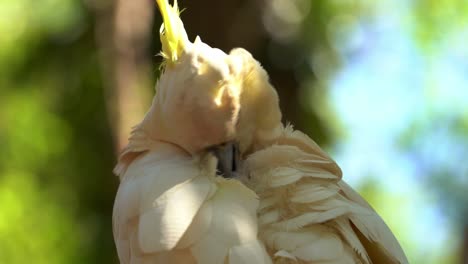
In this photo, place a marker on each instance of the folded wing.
(308, 213)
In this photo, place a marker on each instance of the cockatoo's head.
(206, 97)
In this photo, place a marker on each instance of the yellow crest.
(172, 33)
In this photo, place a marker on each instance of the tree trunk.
(123, 32)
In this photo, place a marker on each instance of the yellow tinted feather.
(172, 33)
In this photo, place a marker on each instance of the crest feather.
(172, 33)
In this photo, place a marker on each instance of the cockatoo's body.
(286, 202)
(172, 208)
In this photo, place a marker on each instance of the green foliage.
(35, 224)
(37, 217)
(50, 95)
(435, 20)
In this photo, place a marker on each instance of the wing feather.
(233, 225)
(164, 224)
(253, 252)
(381, 244)
(303, 190)
(327, 248)
(381, 241)
(311, 193)
(343, 226)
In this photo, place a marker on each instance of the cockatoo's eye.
(228, 156)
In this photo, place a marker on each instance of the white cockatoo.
(212, 176)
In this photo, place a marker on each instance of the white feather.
(343, 226)
(374, 229)
(285, 254)
(266, 203)
(327, 248)
(308, 218)
(161, 227)
(249, 253)
(291, 240)
(283, 176)
(311, 192)
(269, 217)
(234, 222)
(198, 227)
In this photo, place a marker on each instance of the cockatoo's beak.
(228, 159)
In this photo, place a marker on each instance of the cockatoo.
(212, 176)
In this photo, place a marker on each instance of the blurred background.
(381, 85)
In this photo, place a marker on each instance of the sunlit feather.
(172, 33)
